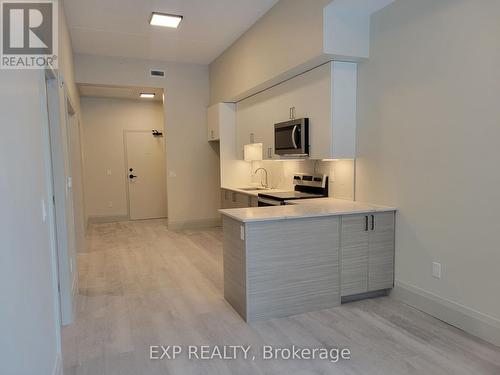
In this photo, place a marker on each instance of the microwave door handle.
(293, 136)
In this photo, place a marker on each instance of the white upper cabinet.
(213, 122)
(326, 95)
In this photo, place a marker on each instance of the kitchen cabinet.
(219, 117)
(326, 95)
(381, 252)
(367, 253)
(279, 268)
(354, 243)
(213, 123)
(233, 199)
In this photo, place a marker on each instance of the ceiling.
(121, 27)
(121, 92)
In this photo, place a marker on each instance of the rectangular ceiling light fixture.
(165, 20)
(147, 95)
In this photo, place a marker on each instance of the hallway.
(141, 284)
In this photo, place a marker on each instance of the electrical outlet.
(436, 270)
(110, 204)
(108, 172)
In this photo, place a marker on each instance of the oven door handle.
(293, 136)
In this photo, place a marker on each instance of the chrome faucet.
(266, 185)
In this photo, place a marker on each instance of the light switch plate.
(44, 211)
(436, 270)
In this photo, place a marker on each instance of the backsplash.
(280, 174)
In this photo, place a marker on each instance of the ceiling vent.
(157, 73)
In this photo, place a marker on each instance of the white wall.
(104, 121)
(289, 35)
(28, 316)
(76, 148)
(192, 161)
(428, 143)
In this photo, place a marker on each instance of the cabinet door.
(229, 199)
(242, 200)
(254, 202)
(213, 122)
(381, 251)
(255, 124)
(224, 199)
(354, 255)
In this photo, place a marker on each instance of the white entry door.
(147, 191)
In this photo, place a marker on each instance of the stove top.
(306, 186)
(290, 195)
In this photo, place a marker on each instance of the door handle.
(373, 222)
(366, 223)
(131, 176)
(293, 136)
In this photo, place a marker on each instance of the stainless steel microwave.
(291, 138)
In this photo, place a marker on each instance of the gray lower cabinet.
(279, 268)
(367, 253)
(226, 199)
(381, 252)
(232, 199)
(354, 253)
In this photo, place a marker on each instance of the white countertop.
(304, 208)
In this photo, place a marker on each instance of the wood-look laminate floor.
(141, 284)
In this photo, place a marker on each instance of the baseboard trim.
(367, 295)
(194, 223)
(58, 370)
(460, 316)
(96, 219)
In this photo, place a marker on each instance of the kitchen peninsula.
(307, 256)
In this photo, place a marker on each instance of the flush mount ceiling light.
(147, 95)
(165, 20)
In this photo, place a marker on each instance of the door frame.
(49, 75)
(57, 104)
(125, 158)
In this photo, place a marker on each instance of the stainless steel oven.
(265, 202)
(291, 138)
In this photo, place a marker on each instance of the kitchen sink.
(252, 188)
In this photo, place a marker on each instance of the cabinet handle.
(373, 222)
(366, 223)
